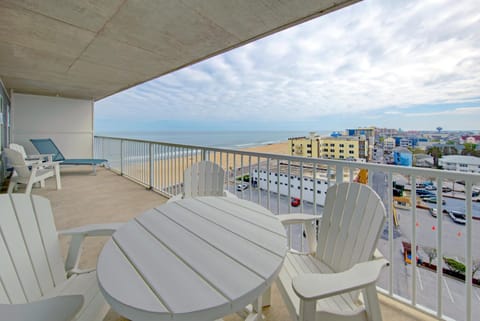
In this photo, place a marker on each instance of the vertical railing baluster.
(468, 250)
(439, 230)
(241, 173)
(390, 233)
(339, 173)
(301, 186)
(268, 182)
(250, 176)
(314, 186)
(164, 168)
(258, 181)
(178, 170)
(278, 186)
(235, 173)
(289, 180)
(227, 171)
(151, 162)
(413, 246)
(121, 157)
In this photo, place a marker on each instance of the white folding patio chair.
(35, 283)
(29, 174)
(31, 159)
(336, 279)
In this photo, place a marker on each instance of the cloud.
(465, 111)
(359, 61)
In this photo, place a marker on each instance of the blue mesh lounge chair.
(47, 146)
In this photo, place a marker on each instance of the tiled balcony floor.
(108, 197)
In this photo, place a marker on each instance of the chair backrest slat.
(30, 239)
(3, 292)
(47, 146)
(12, 290)
(203, 179)
(49, 234)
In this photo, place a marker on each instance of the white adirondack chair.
(336, 279)
(31, 173)
(31, 159)
(35, 283)
(204, 178)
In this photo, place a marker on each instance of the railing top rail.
(416, 171)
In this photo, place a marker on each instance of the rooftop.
(108, 197)
(472, 160)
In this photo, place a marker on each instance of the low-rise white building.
(306, 188)
(470, 164)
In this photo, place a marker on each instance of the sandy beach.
(277, 148)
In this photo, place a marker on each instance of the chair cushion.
(346, 304)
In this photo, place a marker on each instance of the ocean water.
(225, 139)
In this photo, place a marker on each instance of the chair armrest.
(60, 308)
(92, 230)
(296, 218)
(310, 229)
(47, 157)
(315, 286)
(78, 234)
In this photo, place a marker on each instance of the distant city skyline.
(413, 65)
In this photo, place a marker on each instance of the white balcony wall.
(68, 122)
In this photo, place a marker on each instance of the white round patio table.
(193, 259)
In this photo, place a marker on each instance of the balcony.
(154, 172)
(54, 98)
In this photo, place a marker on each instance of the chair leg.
(372, 304)
(57, 176)
(28, 189)
(266, 298)
(11, 186)
(307, 310)
(42, 183)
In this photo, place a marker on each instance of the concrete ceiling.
(93, 49)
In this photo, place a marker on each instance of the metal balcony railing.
(286, 184)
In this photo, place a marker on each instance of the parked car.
(242, 187)
(295, 202)
(423, 192)
(457, 217)
(433, 211)
(432, 199)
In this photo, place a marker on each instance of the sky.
(413, 65)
